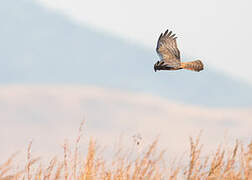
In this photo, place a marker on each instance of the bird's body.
(170, 56)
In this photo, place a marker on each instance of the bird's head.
(156, 66)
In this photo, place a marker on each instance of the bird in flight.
(170, 56)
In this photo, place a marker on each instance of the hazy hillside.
(39, 46)
(49, 114)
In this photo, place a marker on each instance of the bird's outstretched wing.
(167, 49)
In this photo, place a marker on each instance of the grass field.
(225, 163)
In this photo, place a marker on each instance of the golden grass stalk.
(225, 163)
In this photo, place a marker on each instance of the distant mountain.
(50, 114)
(40, 46)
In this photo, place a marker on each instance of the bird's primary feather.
(167, 49)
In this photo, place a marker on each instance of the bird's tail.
(193, 65)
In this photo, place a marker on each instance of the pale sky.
(217, 32)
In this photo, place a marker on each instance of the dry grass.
(224, 163)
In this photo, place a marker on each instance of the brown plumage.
(170, 56)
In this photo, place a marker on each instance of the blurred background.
(66, 61)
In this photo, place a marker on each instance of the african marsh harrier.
(170, 56)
